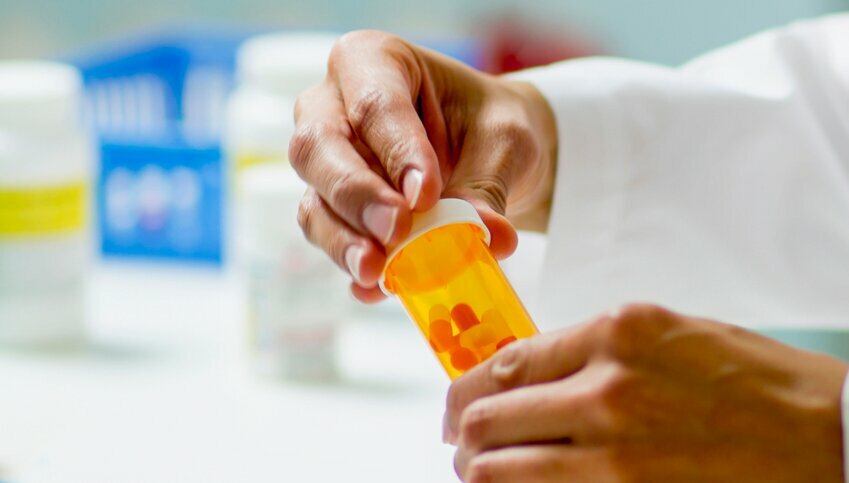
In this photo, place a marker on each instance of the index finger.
(539, 359)
(381, 82)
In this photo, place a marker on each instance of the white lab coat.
(720, 188)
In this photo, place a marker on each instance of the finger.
(322, 153)
(503, 236)
(535, 360)
(367, 295)
(380, 102)
(547, 463)
(353, 252)
(565, 410)
(494, 157)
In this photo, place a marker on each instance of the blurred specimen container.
(296, 295)
(453, 288)
(45, 164)
(271, 71)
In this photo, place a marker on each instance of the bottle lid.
(286, 62)
(447, 211)
(39, 94)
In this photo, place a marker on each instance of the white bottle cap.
(447, 211)
(286, 62)
(38, 94)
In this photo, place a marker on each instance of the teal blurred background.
(666, 31)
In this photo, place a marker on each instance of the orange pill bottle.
(453, 288)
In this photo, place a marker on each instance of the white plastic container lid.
(286, 62)
(447, 211)
(38, 94)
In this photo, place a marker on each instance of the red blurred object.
(511, 43)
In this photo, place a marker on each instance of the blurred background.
(161, 317)
(657, 30)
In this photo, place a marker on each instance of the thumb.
(489, 201)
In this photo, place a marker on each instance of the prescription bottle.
(45, 164)
(453, 288)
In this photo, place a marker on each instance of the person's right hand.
(394, 128)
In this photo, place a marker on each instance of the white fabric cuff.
(590, 174)
(846, 429)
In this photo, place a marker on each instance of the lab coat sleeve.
(720, 188)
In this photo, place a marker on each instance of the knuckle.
(510, 366)
(368, 107)
(304, 144)
(393, 157)
(492, 189)
(476, 422)
(634, 327)
(343, 190)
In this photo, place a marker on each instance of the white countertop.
(165, 394)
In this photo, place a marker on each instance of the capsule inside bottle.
(454, 290)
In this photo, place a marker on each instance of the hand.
(393, 128)
(646, 395)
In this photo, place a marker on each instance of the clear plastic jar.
(453, 288)
(45, 164)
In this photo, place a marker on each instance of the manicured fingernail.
(380, 220)
(354, 259)
(448, 436)
(413, 186)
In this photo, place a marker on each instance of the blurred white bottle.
(46, 158)
(296, 296)
(271, 71)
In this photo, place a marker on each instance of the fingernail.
(448, 436)
(413, 186)
(354, 258)
(380, 220)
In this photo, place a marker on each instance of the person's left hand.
(646, 395)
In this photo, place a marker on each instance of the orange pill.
(441, 336)
(504, 342)
(463, 359)
(464, 317)
(478, 336)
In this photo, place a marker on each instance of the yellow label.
(244, 161)
(42, 210)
